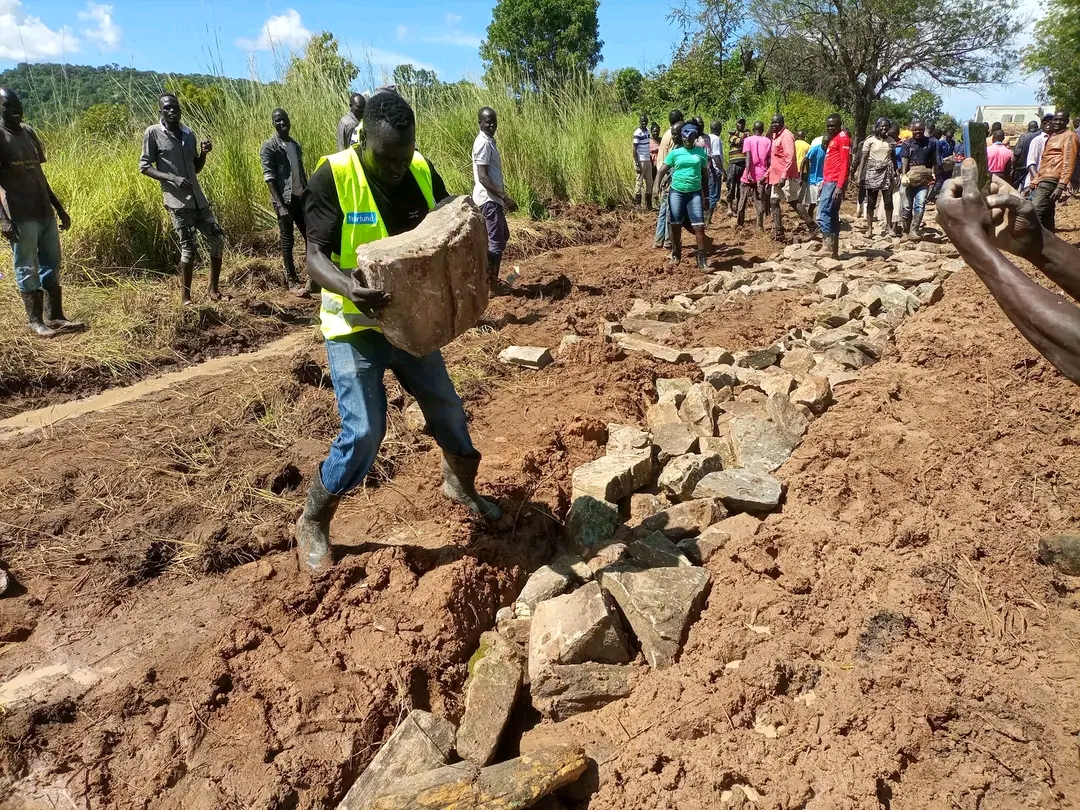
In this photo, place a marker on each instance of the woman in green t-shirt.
(688, 166)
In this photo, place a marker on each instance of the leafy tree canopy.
(543, 40)
(1055, 54)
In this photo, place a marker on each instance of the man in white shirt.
(1035, 150)
(716, 167)
(643, 163)
(489, 191)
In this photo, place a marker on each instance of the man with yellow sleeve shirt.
(380, 187)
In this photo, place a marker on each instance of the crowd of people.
(897, 172)
(31, 216)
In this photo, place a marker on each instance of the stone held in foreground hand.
(496, 672)
(741, 490)
(436, 275)
(512, 785)
(563, 691)
(659, 603)
(422, 742)
(534, 357)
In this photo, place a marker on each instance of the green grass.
(569, 143)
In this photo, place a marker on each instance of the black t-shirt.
(920, 152)
(402, 208)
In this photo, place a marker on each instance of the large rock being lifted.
(436, 275)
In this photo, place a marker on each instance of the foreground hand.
(962, 211)
(9, 231)
(65, 220)
(1016, 226)
(367, 300)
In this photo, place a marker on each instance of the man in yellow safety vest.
(380, 187)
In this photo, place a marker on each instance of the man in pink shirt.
(998, 156)
(784, 178)
(755, 179)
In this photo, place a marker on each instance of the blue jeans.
(915, 199)
(357, 365)
(663, 233)
(686, 204)
(37, 254)
(828, 210)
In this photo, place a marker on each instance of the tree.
(924, 105)
(106, 120)
(411, 78)
(709, 25)
(628, 84)
(543, 40)
(322, 63)
(1056, 53)
(863, 49)
(196, 99)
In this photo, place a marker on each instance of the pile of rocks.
(697, 474)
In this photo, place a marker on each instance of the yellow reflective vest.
(362, 224)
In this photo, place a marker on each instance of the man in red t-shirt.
(837, 165)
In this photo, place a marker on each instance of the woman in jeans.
(688, 166)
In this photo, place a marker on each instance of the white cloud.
(402, 32)
(384, 62)
(451, 34)
(105, 32)
(24, 38)
(280, 31)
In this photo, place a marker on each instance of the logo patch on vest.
(361, 218)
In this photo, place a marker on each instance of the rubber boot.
(648, 202)
(915, 234)
(33, 301)
(905, 227)
(54, 310)
(777, 224)
(313, 528)
(834, 245)
(637, 201)
(701, 263)
(459, 485)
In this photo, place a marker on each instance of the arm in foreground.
(1049, 322)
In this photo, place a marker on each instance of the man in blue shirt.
(813, 171)
(946, 151)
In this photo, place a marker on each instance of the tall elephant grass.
(568, 143)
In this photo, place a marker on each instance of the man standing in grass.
(170, 157)
(643, 164)
(1055, 169)
(283, 170)
(349, 122)
(662, 238)
(489, 190)
(837, 170)
(381, 187)
(28, 222)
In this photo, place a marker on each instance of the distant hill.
(49, 89)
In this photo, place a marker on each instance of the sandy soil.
(885, 641)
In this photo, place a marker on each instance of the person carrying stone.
(29, 223)
(283, 170)
(643, 165)
(837, 170)
(784, 178)
(1055, 169)
(876, 173)
(489, 189)
(1019, 153)
(347, 126)
(918, 163)
(380, 187)
(755, 178)
(170, 157)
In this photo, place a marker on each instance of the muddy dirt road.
(902, 648)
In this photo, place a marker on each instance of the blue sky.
(238, 37)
